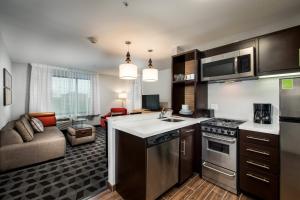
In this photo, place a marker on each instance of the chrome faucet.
(163, 112)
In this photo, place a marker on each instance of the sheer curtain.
(135, 94)
(69, 92)
(40, 88)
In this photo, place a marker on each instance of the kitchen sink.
(172, 120)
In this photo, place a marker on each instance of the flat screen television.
(150, 102)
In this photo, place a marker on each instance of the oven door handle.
(221, 139)
(216, 170)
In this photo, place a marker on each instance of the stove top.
(221, 122)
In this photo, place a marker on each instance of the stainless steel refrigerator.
(290, 138)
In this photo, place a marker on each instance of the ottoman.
(80, 134)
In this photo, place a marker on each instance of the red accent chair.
(113, 112)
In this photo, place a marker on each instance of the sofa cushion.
(24, 129)
(9, 125)
(37, 125)
(50, 133)
(10, 136)
(26, 116)
(48, 120)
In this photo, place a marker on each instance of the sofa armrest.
(47, 118)
(44, 147)
(9, 137)
(41, 114)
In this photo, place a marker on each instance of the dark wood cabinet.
(130, 166)
(278, 52)
(186, 162)
(198, 150)
(259, 164)
(230, 47)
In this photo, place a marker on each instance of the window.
(71, 96)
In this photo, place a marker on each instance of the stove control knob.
(232, 132)
(213, 130)
(219, 130)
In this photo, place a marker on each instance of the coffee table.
(81, 134)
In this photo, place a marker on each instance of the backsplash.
(235, 100)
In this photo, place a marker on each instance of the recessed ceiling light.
(92, 39)
(125, 3)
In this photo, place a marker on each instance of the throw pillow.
(24, 129)
(37, 125)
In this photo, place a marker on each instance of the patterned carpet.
(81, 174)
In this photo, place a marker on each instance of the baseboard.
(112, 188)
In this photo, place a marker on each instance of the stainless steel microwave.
(231, 65)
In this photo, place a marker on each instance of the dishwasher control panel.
(161, 138)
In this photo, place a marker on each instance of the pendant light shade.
(128, 70)
(150, 74)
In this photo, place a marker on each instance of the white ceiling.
(54, 31)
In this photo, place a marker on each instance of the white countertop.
(147, 125)
(263, 128)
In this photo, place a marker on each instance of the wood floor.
(194, 189)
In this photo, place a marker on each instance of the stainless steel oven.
(219, 150)
(231, 65)
(219, 160)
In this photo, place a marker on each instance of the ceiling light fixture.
(128, 71)
(92, 39)
(125, 3)
(150, 74)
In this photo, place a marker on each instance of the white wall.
(5, 111)
(110, 87)
(235, 100)
(21, 84)
(161, 87)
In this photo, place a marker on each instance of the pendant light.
(150, 74)
(128, 70)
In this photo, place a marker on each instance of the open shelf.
(186, 82)
(190, 92)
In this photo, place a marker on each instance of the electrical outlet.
(214, 106)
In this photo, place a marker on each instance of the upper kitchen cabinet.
(230, 47)
(278, 52)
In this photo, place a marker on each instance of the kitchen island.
(141, 126)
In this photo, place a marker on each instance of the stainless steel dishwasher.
(162, 163)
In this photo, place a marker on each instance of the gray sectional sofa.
(15, 153)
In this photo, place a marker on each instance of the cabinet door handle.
(257, 165)
(183, 147)
(188, 131)
(258, 139)
(259, 152)
(258, 178)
